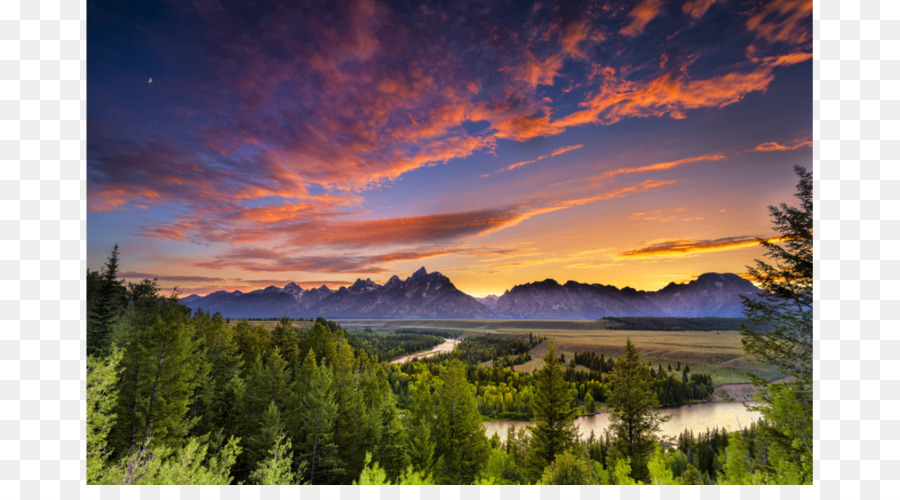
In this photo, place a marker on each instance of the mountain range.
(427, 295)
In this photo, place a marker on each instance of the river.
(699, 417)
(447, 346)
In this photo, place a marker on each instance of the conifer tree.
(161, 367)
(461, 446)
(348, 430)
(634, 418)
(215, 403)
(317, 413)
(102, 398)
(419, 424)
(277, 465)
(779, 330)
(106, 301)
(553, 431)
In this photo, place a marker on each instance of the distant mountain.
(422, 295)
(490, 301)
(710, 295)
(433, 295)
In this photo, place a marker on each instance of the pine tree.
(188, 464)
(419, 424)
(348, 430)
(780, 329)
(461, 446)
(553, 431)
(634, 417)
(106, 301)
(102, 396)
(317, 412)
(276, 467)
(160, 370)
(215, 404)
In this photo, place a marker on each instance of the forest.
(176, 396)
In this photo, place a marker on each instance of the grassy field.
(718, 353)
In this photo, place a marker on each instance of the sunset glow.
(623, 143)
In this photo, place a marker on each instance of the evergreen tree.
(461, 447)
(634, 417)
(106, 301)
(189, 464)
(317, 414)
(215, 404)
(348, 430)
(160, 370)
(285, 338)
(102, 397)
(553, 430)
(780, 329)
(263, 439)
(419, 423)
(276, 467)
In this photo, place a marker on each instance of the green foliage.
(317, 413)
(372, 474)
(419, 422)
(277, 466)
(622, 473)
(106, 296)
(461, 447)
(634, 418)
(501, 468)
(780, 332)
(160, 370)
(736, 462)
(102, 397)
(670, 324)
(658, 468)
(570, 468)
(349, 429)
(387, 346)
(553, 430)
(186, 465)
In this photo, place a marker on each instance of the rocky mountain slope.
(433, 295)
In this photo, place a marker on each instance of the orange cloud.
(774, 146)
(655, 166)
(672, 215)
(556, 152)
(640, 15)
(783, 21)
(696, 8)
(682, 247)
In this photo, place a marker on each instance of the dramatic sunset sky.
(239, 144)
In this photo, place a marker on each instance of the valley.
(718, 353)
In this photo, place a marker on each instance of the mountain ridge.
(425, 295)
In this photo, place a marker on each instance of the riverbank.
(447, 346)
(742, 393)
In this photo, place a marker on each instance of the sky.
(234, 145)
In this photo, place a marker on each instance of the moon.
(150, 80)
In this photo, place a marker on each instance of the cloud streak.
(556, 152)
(684, 247)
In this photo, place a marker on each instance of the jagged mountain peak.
(433, 295)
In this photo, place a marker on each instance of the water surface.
(699, 417)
